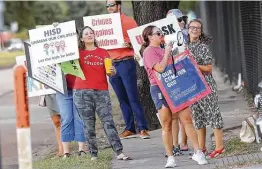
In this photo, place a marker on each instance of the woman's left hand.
(112, 71)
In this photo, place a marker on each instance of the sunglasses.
(158, 34)
(110, 5)
(195, 28)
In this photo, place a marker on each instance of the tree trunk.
(146, 12)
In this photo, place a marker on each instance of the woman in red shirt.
(92, 95)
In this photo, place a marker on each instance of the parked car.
(15, 44)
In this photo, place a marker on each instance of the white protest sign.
(108, 30)
(51, 45)
(169, 27)
(50, 75)
(34, 87)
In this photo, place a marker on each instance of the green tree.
(143, 14)
(20, 11)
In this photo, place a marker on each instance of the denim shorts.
(157, 97)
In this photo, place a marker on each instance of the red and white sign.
(108, 30)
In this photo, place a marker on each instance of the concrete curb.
(232, 160)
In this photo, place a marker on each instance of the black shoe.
(177, 151)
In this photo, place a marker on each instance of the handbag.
(247, 132)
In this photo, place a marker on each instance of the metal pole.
(22, 118)
(1, 23)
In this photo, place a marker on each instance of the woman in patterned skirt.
(206, 111)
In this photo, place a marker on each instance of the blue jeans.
(124, 84)
(72, 127)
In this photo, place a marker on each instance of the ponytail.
(143, 47)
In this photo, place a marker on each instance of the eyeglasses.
(110, 5)
(158, 33)
(195, 28)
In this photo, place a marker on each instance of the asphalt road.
(42, 130)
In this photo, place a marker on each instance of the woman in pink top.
(155, 59)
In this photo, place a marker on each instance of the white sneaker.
(93, 158)
(199, 157)
(171, 163)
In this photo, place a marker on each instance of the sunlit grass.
(7, 59)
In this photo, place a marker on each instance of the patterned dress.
(205, 111)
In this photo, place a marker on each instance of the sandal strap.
(216, 152)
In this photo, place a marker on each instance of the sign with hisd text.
(54, 44)
(182, 83)
(108, 30)
(169, 27)
(50, 75)
(34, 88)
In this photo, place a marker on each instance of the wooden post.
(22, 118)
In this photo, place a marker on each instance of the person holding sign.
(72, 128)
(92, 96)
(124, 82)
(155, 59)
(183, 145)
(205, 111)
(51, 105)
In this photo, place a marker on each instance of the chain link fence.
(236, 28)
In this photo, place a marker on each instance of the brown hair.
(81, 44)
(146, 32)
(203, 37)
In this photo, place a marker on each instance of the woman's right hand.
(168, 47)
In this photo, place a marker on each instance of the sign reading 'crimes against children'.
(108, 30)
(51, 45)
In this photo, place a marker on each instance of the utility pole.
(2, 8)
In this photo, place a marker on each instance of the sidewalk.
(149, 154)
(6, 82)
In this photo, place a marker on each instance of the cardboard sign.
(182, 83)
(50, 75)
(72, 67)
(34, 88)
(108, 30)
(51, 45)
(169, 27)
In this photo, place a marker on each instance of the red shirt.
(70, 80)
(92, 64)
(127, 23)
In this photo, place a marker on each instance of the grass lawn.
(75, 162)
(7, 59)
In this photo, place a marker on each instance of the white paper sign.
(50, 75)
(34, 87)
(169, 27)
(51, 45)
(108, 30)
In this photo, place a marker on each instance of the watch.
(180, 38)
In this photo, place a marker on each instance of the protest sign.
(108, 30)
(34, 88)
(72, 67)
(182, 83)
(50, 75)
(51, 45)
(170, 29)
